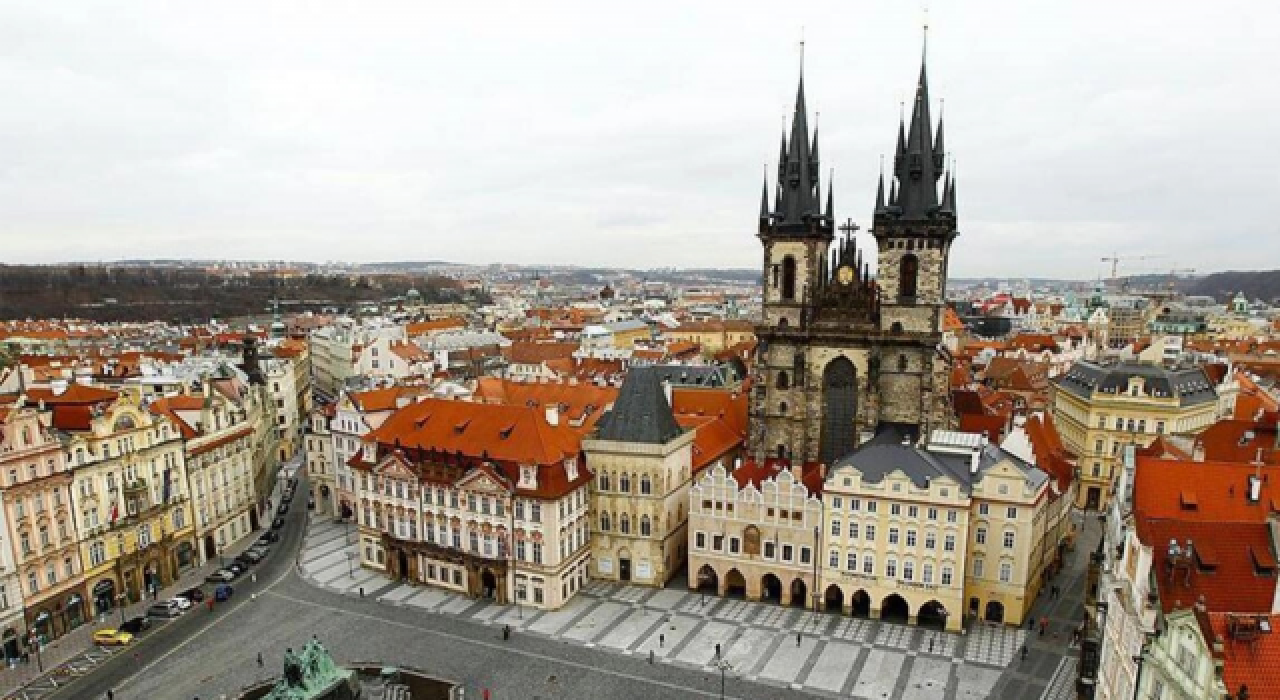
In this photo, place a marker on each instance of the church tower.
(914, 229)
(841, 355)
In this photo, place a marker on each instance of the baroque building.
(842, 354)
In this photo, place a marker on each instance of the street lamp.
(724, 666)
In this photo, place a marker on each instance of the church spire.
(764, 199)
(918, 172)
(831, 196)
(880, 187)
(798, 178)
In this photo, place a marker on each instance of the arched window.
(908, 270)
(644, 526)
(783, 322)
(782, 408)
(784, 381)
(604, 481)
(782, 451)
(624, 483)
(902, 363)
(604, 522)
(646, 486)
(788, 278)
(624, 524)
(896, 328)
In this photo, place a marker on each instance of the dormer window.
(571, 468)
(528, 477)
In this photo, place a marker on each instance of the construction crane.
(1115, 259)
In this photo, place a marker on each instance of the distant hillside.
(110, 293)
(1256, 284)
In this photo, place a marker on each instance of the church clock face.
(845, 275)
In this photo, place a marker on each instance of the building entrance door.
(624, 569)
(1093, 499)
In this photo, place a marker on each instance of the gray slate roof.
(1190, 385)
(876, 460)
(641, 412)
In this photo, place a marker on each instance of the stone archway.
(994, 611)
(771, 589)
(932, 614)
(894, 608)
(860, 604)
(708, 581)
(799, 593)
(488, 583)
(735, 585)
(834, 598)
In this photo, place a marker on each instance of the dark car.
(135, 625)
(268, 537)
(249, 558)
(223, 593)
(284, 508)
(277, 523)
(195, 595)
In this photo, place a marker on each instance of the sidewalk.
(80, 640)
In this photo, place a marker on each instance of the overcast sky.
(628, 134)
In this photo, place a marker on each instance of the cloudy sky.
(634, 134)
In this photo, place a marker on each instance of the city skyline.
(566, 138)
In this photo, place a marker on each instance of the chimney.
(553, 414)
(666, 390)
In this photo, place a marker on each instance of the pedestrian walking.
(1024, 652)
(662, 640)
(797, 639)
(111, 694)
(259, 659)
(1044, 625)
(930, 645)
(506, 632)
(717, 650)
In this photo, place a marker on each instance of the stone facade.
(638, 502)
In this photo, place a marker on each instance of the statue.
(311, 675)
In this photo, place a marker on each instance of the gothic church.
(842, 355)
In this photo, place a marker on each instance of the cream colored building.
(642, 462)
(219, 459)
(753, 532)
(936, 533)
(284, 412)
(321, 469)
(1100, 408)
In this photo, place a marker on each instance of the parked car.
(112, 638)
(164, 608)
(249, 558)
(277, 523)
(182, 603)
(284, 508)
(195, 595)
(236, 568)
(268, 537)
(135, 625)
(220, 576)
(223, 592)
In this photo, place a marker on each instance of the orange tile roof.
(951, 321)
(439, 324)
(1241, 440)
(170, 406)
(1220, 488)
(576, 401)
(1251, 662)
(76, 393)
(754, 473)
(1223, 576)
(530, 353)
(1051, 455)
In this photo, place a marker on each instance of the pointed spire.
(799, 182)
(831, 196)
(900, 155)
(893, 193)
(951, 191)
(880, 187)
(918, 176)
(939, 150)
(946, 194)
(764, 197)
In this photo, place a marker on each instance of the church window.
(784, 382)
(646, 486)
(909, 268)
(902, 363)
(645, 526)
(782, 408)
(788, 278)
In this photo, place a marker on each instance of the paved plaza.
(817, 653)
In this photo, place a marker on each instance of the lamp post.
(724, 667)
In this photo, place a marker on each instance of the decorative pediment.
(396, 467)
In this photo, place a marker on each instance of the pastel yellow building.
(1101, 408)
(130, 493)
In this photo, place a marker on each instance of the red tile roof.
(75, 393)
(575, 401)
(1252, 662)
(527, 353)
(1241, 440)
(752, 472)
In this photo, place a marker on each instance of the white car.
(182, 603)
